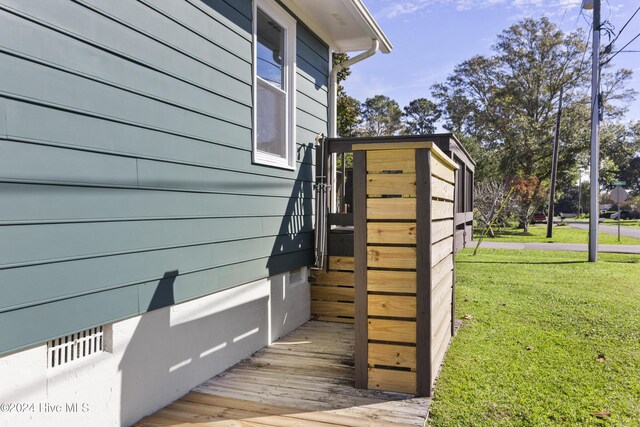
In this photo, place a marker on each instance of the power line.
(625, 25)
(621, 50)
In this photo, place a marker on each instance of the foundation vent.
(296, 276)
(64, 350)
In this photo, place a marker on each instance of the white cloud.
(395, 9)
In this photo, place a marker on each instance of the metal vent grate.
(76, 346)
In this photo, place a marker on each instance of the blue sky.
(431, 36)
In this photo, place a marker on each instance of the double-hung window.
(274, 85)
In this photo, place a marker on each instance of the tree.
(507, 102)
(527, 198)
(381, 116)
(348, 109)
(420, 117)
(488, 197)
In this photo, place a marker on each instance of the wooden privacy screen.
(332, 291)
(403, 257)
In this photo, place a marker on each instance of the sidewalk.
(576, 247)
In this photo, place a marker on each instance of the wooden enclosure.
(394, 276)
(463, 218)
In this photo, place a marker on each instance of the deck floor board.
(304, 379)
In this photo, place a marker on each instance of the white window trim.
(288, 23)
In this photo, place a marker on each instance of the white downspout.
(333, 107)
(333, 84)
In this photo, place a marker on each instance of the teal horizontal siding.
(125, 161)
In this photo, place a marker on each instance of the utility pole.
(554, 169)
(595, 116)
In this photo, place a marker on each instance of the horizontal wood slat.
(441, 189)
(442, 171)
(330, 293)
(391, 208)
(392, 380)
(391, 160)
(392, 306)
(441, 210)
(391, 184)
(389, 232)
(441, 229)
(440, 250)
(335, 278)
(341, 263)
(391, 281)
(401, 356)
(391, 257)
(392, 330)
(333, 308)
(440, 270)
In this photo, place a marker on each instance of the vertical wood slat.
(423, 272)
(360, 267)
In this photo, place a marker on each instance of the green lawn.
(633, 223)
(561, 234)
(551, 340)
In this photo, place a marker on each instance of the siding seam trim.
(83, 149)
(159, 40)
(124, 88)
(118, 53)
(73, 110)
(136, 219)
(139, 282)
(142, 188)
(193, 30)
(211, 15)
(143, 250)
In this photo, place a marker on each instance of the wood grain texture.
(391, 184)
(392, 306)
(442, 171)
(391, 257)
(441, 210)
(391, 208)
(301, 380)
(331, 293)
(441, 229)
(394, 233)
(441, 189)
(335, 278)
(392, 330)
(334, 309)
(441, 250)
(392, 281)
(391, 160)
(341, 263)
(400, 356)
(392, 380)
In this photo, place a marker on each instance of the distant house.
(156, 205)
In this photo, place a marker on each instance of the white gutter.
(333, 84)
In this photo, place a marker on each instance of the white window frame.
(288, 23)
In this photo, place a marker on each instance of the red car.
(539, 217)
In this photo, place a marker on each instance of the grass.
(552, 340)
(561, 234)
(632, 223)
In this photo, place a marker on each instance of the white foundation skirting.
(153, 359)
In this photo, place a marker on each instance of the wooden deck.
(304, 379)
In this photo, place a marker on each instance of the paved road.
(577, 247)
(611, 229)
